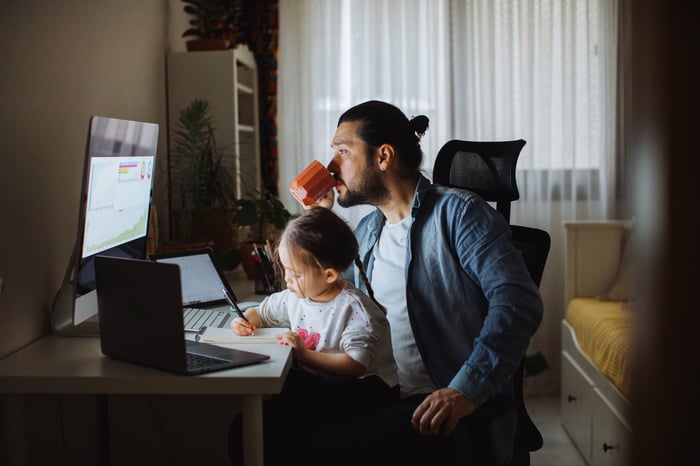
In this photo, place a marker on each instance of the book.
(226, 335)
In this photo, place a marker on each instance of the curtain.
(542, 70)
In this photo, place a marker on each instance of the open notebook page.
(226, 335)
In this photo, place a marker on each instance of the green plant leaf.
(258, 209)
(198, 176)
(209, 18)
(193, 32)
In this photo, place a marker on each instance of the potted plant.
(263, 216)
(263, 212)
(202, 187)
(209, 24)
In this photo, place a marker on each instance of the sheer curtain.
(541, 70)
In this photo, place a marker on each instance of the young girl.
(340, 337)
(337, 330)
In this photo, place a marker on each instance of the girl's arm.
(328, 363)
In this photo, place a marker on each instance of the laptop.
(202, 282)
(140, 316)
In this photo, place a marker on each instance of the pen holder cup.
(265, 280)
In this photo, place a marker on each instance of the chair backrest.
(534, 245)
(484, 167)
(487, 168)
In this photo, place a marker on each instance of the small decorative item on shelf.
(209, 25)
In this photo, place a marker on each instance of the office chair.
(487, 168)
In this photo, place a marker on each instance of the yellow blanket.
(604, 331)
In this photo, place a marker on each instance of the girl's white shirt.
(351, 323)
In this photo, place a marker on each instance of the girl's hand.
(291, 339)
(242, 328)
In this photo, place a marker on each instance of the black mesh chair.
(488, 169)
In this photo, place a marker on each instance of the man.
(459, 298)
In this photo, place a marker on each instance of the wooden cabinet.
(228, 80)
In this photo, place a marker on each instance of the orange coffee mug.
(312, 183)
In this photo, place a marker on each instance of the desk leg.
(252, 430)
(13, 432)
(103, 429)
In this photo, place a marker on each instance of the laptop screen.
(200, 279)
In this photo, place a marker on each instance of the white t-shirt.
(389, 285)
(351, 323)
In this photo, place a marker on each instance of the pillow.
(622, 288)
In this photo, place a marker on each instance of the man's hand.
(439, 413)
(326, 201)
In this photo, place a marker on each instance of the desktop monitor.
(114, 208)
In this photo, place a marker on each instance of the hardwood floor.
(558, 449)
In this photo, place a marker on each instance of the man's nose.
(332, 165)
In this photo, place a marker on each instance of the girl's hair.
(322, 239)
(383, 123)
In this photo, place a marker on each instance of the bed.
(597, 337)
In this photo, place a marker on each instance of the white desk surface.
(58, 364)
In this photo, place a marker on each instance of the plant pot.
(247, 260)
(207, 224)
(207, 44)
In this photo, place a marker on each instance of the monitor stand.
(72, 316)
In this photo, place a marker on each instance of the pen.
(198, 335)
(199, 330)
(235, 307)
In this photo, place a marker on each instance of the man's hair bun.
(419, 124)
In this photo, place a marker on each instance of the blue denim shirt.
(471, 302)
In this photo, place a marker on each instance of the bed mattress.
(604, 331)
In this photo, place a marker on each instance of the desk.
(75, 365)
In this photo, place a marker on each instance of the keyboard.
(195, 318)
(198, 361)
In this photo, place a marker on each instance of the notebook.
(202, 281)
(139, 304)
(226, 335)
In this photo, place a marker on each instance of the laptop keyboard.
(196, 318)
(197, 361)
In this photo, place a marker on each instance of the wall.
(64, 61)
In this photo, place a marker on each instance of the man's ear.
(330, 274)
(385, 156)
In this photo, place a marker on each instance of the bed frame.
(594, 413)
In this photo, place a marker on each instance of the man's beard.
(370, 191)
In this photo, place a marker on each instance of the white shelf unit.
(228, 80)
